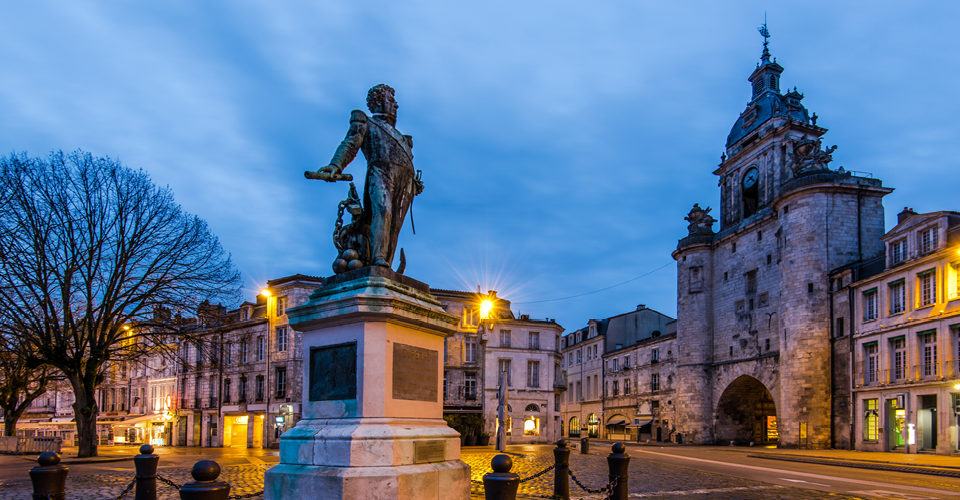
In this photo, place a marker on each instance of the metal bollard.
(49, 478)
(146, 466)
(205, 485)
(619, 463)
(501, 484)
(561, 478)
(584, 446)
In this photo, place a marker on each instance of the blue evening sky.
(562, 142)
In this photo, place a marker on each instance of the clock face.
(750, 179)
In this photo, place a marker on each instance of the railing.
(927, 371)
(49, 479)
(951, 369)
(895, 375)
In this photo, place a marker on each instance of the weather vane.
(765, 33)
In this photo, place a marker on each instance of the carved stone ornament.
(809, 156)
(701, 222)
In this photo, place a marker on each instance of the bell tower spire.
(767, 75)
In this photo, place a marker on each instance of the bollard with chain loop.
(501, 484)
(205, 485)
(146, 466)
(49, 478)
(561, 480)
(619, 463)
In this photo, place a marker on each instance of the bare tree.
(95, 260)
(21, 381)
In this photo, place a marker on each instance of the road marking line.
(802, 474)
(807, 482)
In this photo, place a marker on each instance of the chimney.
(492, 294)
(906, 214)
(641, 307)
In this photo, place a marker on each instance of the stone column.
(372, 423)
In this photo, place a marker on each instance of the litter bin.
(584, 446)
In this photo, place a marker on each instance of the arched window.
(574, 427)
(593, 426)
(532, 407)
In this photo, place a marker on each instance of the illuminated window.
(928, 240)
(898, 251)
(574, 430)
(871, 417)
(870, 305)
(898, 299)
(953, 281)
(927, 281)
(626, 387)
(531, 426)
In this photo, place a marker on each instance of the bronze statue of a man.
(391, 181)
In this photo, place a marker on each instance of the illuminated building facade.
(491, 339)
(899, 319)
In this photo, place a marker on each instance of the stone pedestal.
(372, 424)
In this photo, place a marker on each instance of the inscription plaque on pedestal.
(415, 373)
(333, 372)
(429, 451)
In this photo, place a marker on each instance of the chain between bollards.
(128, 488)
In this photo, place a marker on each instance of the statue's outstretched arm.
(348, 148)
(346, 151)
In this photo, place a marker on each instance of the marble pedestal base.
(372, 429)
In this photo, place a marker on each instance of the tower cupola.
(767, 75)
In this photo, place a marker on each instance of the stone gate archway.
(747, 413)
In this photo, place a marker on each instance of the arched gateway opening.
(747, 413)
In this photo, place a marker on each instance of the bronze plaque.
(333, 372)
(429, 451)
(415, 373)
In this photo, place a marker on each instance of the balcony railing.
(927, 371)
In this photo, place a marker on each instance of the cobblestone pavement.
(243, 479)
(647, 480)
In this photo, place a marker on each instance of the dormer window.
(898, 251)
(928, 240)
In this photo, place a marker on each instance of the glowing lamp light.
(957, 387)
(242, 420)
(265, 292)
(529, 426)
(485, 307)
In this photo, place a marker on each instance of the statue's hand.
(330, 173)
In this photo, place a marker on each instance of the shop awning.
(616, 422)
(62, 419)
(643, 421)
(136, 420)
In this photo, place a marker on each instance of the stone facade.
(753, 301)
(621, 376)
(899, 322)
(491, 339)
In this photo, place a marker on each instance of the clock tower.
(753, 318)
